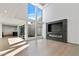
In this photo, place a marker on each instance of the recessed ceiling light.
(5, 11)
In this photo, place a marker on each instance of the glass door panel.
(39, 22)
(31, 20)
(22, 31)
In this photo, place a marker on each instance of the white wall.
(0, 30)
(8, 29)
(65, 11)
(11, 21)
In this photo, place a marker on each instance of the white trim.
(38, 5)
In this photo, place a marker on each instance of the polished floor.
(39, 47)
(10, 46)
(44, 47)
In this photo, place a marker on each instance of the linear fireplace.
(57, 30)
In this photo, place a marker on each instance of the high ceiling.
(15, 10)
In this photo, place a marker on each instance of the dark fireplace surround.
(57, 30)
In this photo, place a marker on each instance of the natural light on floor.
(16, 45)
(14, 40)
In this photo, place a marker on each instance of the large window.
(34, 21)
(39, 22)
(31, 20)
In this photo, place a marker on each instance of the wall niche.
(57, 30)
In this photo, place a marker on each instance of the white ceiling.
(15, 10)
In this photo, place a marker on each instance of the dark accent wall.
(57, 30)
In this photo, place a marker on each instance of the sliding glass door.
(34, 21)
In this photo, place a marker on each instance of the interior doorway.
(9, 31)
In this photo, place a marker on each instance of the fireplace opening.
(57, 30)
(55, 27)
